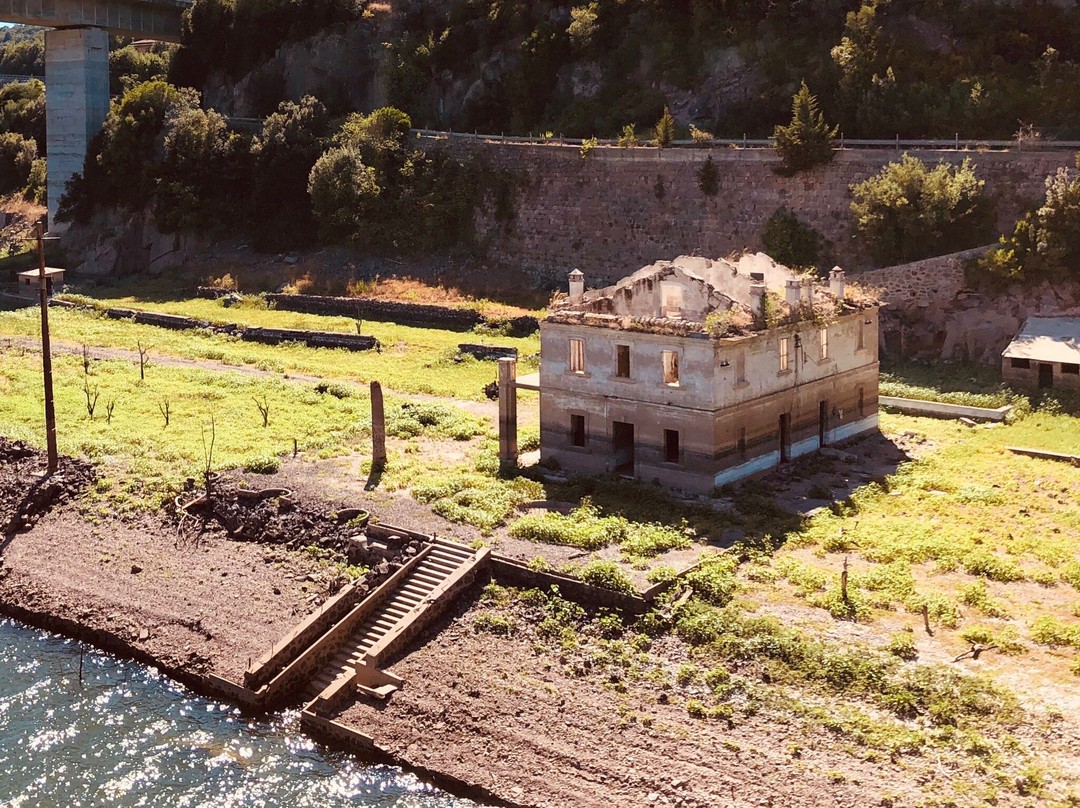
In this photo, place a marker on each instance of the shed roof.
(50, 272)
(1047, 339)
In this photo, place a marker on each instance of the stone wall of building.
(620, 209)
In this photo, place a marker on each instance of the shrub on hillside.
(807, 140)
(129, 66)
(374, 190)
(291, 141)
(909, 211)
(1045, 243)
(17, 156)
(122, 165)
(22, 110)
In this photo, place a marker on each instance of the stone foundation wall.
(607, 216)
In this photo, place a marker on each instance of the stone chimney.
(577, 285)
(808, 292)
(836, 283)
(793, 292)
(757, 292)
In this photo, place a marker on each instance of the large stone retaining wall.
(603, 214)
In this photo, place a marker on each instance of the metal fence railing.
(957, 143)
(11, 78)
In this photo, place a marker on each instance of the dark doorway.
(622, 447)
(671, 446)
(785, 437)
(822, 421)
(1046, 375)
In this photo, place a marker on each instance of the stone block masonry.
(620, 209)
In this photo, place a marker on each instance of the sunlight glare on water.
(129, 736)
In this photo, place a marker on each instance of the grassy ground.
(152, 456)
(987, 541)
(413, 360)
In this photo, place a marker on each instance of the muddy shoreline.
(142, 588)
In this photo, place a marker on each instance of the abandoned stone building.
(1045, 354)
(699, 372)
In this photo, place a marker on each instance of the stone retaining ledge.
(508, 571)
(313, 339)
(938, 409)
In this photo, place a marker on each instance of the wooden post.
(508, 451)
(46, 356)
(378, 428)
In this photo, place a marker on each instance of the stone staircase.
(395, 613)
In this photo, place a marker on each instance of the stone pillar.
(508, 453)
(76, 103)
(836, 283)
(577, 285)
(793, 292)
(378, 428)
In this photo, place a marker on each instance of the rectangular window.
(862, 339)
(783, 354)
(862, 403)
(1020, 363)
(671, 367)
(1067, 367)
(823, 339)
(671, 299)
(622, 361)
(577, 356)
(577, 430)
(671, 446)
(742, 443)
(740, 368)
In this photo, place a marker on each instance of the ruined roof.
(1047, 339)
(678, 296)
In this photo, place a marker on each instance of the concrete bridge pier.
(76, 103)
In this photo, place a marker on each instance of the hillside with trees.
(914, 68)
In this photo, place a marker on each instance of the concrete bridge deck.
(146, 19)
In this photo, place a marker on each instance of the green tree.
(791, 242)
(908, 212)
(292, 139)
(807, 140)
(1046, 241)
(22, 110)
(17, 156)
(665, 129)
(344, 194)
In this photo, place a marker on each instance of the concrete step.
(399, 607)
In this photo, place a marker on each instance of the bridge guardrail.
(897, 143)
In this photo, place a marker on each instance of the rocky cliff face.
(342, 67)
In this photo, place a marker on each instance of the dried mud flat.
(131, 587)
(496, 712)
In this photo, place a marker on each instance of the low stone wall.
(294, 643)
(420, 314)
(174, 322)
(938, 409)
(487, 351)
(507, 571)
(313, 339)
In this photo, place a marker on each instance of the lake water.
(128, 736)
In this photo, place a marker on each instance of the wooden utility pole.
(46, 356)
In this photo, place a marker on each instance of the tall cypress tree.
(807, 140)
